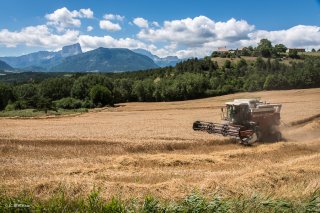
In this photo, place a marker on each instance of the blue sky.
(184, 28)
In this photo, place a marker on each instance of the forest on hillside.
(189, 79)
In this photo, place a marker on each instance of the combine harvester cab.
(248, 120)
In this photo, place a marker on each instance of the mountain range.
(105, 60)
(72, 59)
(161, 62)
(42, 60)
(4, 66)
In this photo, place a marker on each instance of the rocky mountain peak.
(70, 50)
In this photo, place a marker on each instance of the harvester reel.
(210, 128)
(225, 129)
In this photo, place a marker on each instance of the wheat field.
(139, 149)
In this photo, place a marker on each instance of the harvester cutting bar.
(216, 128)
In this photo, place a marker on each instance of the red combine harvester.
(248, 120)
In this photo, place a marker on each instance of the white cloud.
(141, 22)
(37, 36)
(233, 30)
(85, 13)
(155, 23)
(197, 31)
(63, 18)
(108, 25)
(201, 50)
(89, 28)
(91, 42)
(298, 36)
(113, 17)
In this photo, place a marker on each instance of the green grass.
(310, 53)
(221, 61)
(94, 202)
(250, 59)
(39, 113)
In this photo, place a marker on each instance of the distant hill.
(161, 62)
(34, 69)
(105, 60)
(5, 66)
(42, 60)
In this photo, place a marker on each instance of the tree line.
(190, 79)
(264, 49)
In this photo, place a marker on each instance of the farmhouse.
(225, 50)
(222, 49)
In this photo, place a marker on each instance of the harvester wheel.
(259, 134)
(250, 140)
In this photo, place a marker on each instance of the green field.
(62, 202)
(250, 59)
(38, 113)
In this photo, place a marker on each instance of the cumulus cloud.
(91, 42)
(233, 30)
(155, 23)
(298, 36)
(63, 18)
(197, 31)
(37, 36)
(89, 28)
(203, 49)
(141, 22)
(108, 25)
(85, 13)
(115, 17)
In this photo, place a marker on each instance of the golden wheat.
(138, 149)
